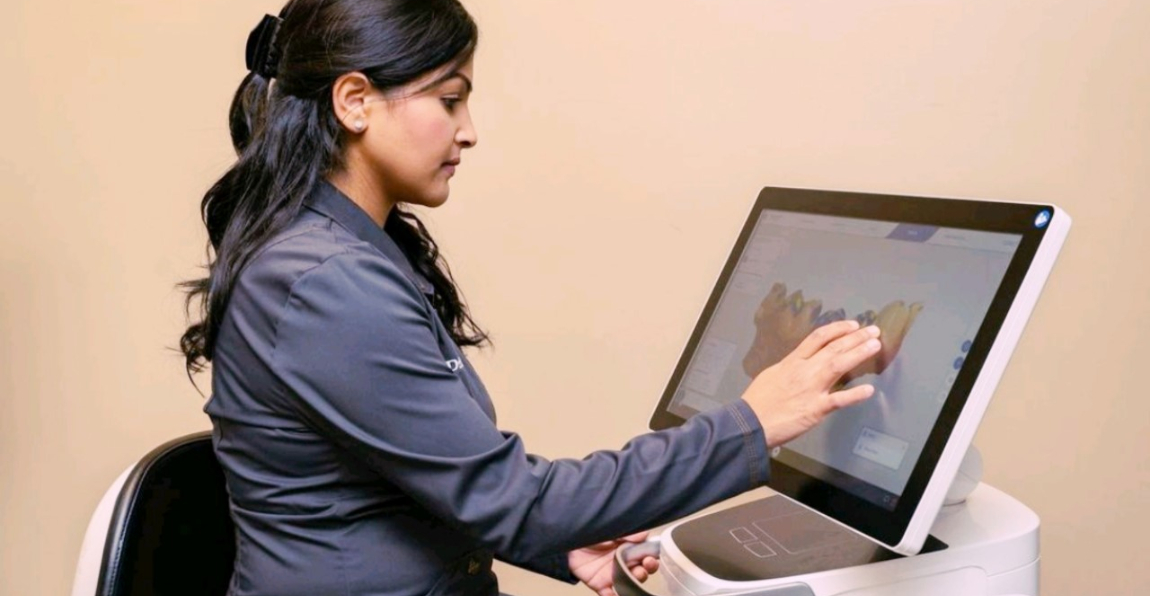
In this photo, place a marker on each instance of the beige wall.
(621, 146)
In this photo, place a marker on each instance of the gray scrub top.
(360, 448)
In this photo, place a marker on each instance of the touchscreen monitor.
(949, 282)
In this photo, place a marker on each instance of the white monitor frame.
(1043, 229)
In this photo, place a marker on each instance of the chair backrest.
(170, 532)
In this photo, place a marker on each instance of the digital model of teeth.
(783, 321)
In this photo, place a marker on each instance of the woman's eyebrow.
(448, 77)
(459, 75)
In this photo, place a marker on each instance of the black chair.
(162, 529)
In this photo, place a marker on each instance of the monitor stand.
(986, 544)
(775, 537)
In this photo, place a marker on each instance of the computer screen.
(927, 287)
(951, 283)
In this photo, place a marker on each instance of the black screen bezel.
(887, 526)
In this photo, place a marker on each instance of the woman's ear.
(348, 97)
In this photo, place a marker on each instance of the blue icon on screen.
(1042, 219)
(958, 363)
(966, 346)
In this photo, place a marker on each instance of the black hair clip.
(262, 55)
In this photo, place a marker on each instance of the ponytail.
(284, 145)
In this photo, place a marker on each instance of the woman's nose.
(466, 135)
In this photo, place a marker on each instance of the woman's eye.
(450, 102)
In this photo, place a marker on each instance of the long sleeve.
(357, 354)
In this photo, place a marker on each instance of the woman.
(359, 447)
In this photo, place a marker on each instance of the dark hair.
(287, 138)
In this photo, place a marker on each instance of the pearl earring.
(359, 125)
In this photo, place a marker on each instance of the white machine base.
(992, 550)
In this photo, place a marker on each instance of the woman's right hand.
(795, 394)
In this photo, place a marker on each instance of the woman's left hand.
(593, 564)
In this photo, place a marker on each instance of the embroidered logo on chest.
(455, 364)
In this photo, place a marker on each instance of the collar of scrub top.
(329, 201)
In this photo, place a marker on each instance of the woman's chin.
(436, 200)
(432, 198)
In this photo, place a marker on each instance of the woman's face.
(413, 136)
